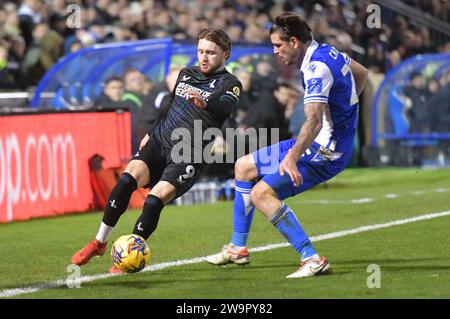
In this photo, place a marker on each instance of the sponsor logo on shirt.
(183, 87)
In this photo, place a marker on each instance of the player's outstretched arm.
(314, 113)
(360, 74)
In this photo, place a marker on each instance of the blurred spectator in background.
(417, 94)
(46, 49)
(148, 84)
(11, 56)
(58, 23)
(376, 59)
(247, 96)
(5, 78)
(269, 112)
(155, 103)
(235, 32)
(264, 79)
(75, 46)
(30, 14)
(112, 94)
(438, 104)
(9, 21)
(134, 82)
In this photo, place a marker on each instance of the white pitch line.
(361, 229)
(366, 200)
(84, 279)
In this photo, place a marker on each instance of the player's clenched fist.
(196, 99)
(289, 165)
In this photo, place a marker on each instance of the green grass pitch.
(413, 258)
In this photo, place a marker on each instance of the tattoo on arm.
(314, 113)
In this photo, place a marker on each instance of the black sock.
(119, 199)
(147, 222)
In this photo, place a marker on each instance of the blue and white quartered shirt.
(327, 78)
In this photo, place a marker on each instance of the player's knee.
(258, 193)
(239, 169)
(165, 191)
(245, 169)
(139, 170)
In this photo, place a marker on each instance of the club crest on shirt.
(313, 86)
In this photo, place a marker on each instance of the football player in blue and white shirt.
(332, 83)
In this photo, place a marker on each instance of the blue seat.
(59, 100)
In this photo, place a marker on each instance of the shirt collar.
(309, 52)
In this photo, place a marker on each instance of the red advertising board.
(44, 158)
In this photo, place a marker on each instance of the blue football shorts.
(317, 165)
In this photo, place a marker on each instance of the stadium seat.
(399, 120)
(75, 93)
(59, 101)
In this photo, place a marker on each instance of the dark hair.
(414, 75)
(216, 35)
(113, 79)
(283, 85)
(129, 71)
(289, 25)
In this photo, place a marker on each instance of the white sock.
(104, 232)
(235, 247)
(313, 257)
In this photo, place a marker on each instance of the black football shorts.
(158, 159)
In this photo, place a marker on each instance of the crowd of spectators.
(427, 103)
(34, 34)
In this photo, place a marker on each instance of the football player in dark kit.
(206, 93)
